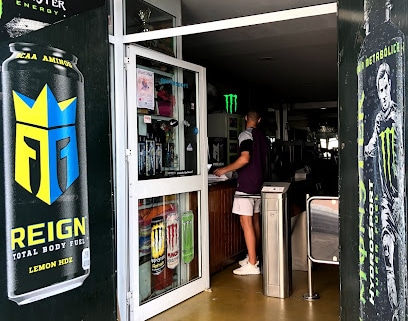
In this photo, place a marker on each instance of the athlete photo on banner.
(381, 165)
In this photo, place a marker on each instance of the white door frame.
(119, 40)
(140, 189)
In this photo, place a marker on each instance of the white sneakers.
(247, 269)
(245, 261)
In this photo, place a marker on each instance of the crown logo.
(45, 111)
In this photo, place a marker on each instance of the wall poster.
(381, 167)
(56, 228)
(45, 172)
(145, 89)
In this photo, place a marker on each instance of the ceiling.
(295, 59)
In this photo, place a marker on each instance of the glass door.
(168, 205)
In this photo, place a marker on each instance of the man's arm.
(370, 148)
(241, 161)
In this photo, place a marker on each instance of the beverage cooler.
(167, 176)
(228, 127)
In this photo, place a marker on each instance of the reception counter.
(227, 243)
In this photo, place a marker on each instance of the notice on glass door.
(145, 88)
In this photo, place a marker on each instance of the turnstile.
(276, 240)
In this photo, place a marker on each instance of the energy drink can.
(45, 179)
(173, 250)
(158, 238)
(162, 276)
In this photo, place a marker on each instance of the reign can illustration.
(45, 179)
(381, 167)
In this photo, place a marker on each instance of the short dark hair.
(382, 71)
(253, 115)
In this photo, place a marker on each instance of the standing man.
(386, 143)
(250, 167)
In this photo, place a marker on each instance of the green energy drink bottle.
(46, 201)
(187, 236)
(381, 167)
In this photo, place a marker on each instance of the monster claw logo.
(46, 152)
(157, 240)
(387, 143)
(231, 103)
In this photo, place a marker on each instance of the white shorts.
(246, 205)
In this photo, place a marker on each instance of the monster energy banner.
(18, 17)
(231, 103)
(381, 159)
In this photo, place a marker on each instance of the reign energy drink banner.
(56, 227)
(381, 169)
(45, 172)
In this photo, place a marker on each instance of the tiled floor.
(235, 298)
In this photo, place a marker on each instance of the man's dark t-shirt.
(251, 176)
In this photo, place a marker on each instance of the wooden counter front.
(226, 237)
